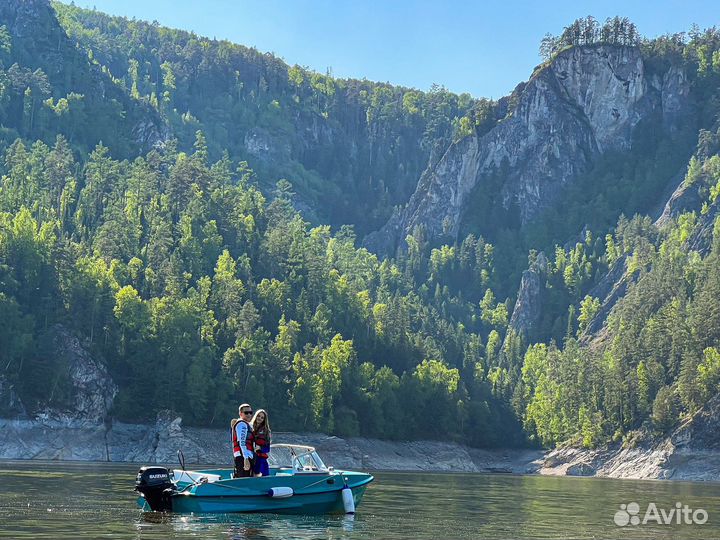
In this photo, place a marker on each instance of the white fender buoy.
(281, 492)
(348, 501)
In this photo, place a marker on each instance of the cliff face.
(528, 306)
(92, 390)
(352, 149)
(586, 102)
(21, 18)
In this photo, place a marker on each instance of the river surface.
(73, 500)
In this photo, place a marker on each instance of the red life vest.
(260, 439)
(236, 442)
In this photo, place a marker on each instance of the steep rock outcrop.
(702, 237)
(21, 17)
(689, 197)
(92, 387)
(684, 198)
(611, 288)
(261, 144)
(528, 306)
(586, 102)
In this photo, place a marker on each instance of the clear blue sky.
(484, 48)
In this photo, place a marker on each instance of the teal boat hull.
(313, 493)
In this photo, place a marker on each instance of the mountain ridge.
(534, 132)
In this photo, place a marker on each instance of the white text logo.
(681, 514)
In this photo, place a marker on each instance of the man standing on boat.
(241, 434)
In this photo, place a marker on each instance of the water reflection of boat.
(299, 482)
(245, 526)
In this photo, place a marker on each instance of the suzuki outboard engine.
(154, 484)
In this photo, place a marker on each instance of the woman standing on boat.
(261, 440)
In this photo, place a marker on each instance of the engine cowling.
(154, 484)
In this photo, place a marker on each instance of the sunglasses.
(247, 412)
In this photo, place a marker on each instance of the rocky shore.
(691, 452)
(48, 438)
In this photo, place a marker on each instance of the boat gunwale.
(360, 483)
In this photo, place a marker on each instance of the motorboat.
(299, 482)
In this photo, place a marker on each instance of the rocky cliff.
(91, 389)
(10, 404)
(587, 101)
(528, 306)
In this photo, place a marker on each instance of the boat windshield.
(298, 458)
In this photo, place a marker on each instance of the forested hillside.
(655, 358)
(189, 208)
(352, 148)
(199, 292)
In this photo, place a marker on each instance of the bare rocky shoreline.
(63, 439)
(689, 453)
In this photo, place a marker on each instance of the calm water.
(91, 501)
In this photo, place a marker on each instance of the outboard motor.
(154, 484)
